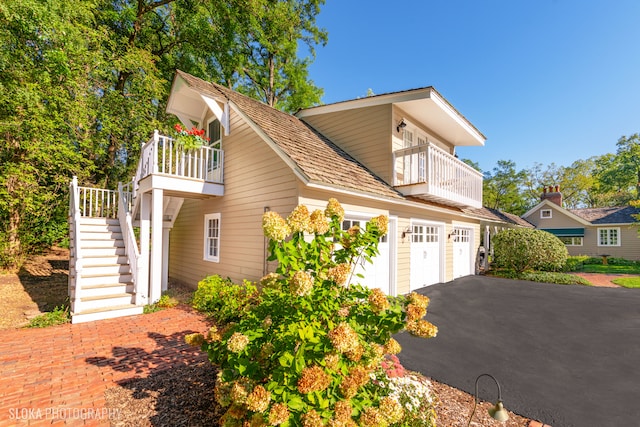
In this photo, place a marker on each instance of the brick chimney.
(552, 194)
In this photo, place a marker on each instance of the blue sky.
(544, 80)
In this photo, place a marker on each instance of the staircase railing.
(97, 202)
(76, 257)
(125, 209)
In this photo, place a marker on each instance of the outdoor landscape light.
(497, 412)
(401, 125)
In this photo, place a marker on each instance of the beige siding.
(364, 133)
(255, 178)
(317, 199)
(629, 242)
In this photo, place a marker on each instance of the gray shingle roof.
(614, 215)
(317, 157)
(496, 215)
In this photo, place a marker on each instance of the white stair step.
(105, 270)
(103, 279)
(100, 259)
(100, 243)
(104, 290)
(99, 228)
(106, 313)
(103, 301)
(105, 221)
(102, 251)
(106, 235)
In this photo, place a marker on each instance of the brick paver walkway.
(58, 375)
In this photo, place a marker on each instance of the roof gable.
(424, 104)
(315, 158)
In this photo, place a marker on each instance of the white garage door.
(376, 275)
(462, 252)
(426, 255)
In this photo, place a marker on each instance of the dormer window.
(545, 213)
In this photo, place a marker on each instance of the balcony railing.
(428, 172)
(162, 155)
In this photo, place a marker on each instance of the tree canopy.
(84, 83)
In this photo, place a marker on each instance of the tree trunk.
(13, 250)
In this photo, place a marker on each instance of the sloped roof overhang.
(425, 105)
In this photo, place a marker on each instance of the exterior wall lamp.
(401, 125)
(406, 232)
(497, 412)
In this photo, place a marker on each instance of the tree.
(502, 188)
(43, 117)
(271, 69)
(575, 182)
(619, 175)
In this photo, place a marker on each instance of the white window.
(212, 237)
(608, 237)
(215, 134)
(571, 241)
(545, 213)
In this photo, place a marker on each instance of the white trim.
(222, 115)
(206, 255)
(618, 236)
(549, 211)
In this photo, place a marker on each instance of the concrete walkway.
(58, 375)
(565, 355)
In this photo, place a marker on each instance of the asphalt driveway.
(568, 356)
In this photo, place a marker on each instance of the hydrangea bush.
(307, 352)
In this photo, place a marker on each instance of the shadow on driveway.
(565, 355)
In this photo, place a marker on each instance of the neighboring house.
(590, 231)
(200, 213)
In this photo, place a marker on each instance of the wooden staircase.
(105, 282)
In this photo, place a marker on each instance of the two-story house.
(200, 214)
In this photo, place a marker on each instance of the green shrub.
(58, 316)
(622, 261)
(224, 300)
(165, 301)
(575, 263)
(592, 261)
(522, 249)
(304, 353)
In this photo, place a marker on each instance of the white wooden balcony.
(164, 164)
(430, 173)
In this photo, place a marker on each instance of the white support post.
(142, 296)
(165, 258)
(155, 268)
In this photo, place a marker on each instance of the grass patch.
(543, 277)
(610, 269)
(628, 282)
(585, 264)
(165, 301)
(59, 316)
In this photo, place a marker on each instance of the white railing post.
(156, 140)
(130, 244)
(74, 218)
